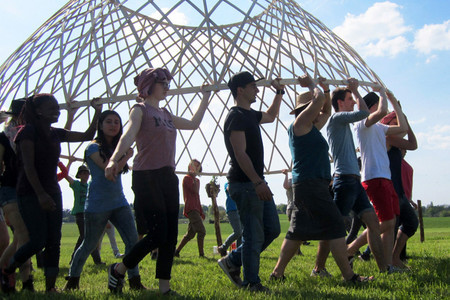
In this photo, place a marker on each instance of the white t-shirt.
(372, 144)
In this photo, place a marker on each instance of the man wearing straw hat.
(247, 186)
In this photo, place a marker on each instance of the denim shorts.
(7, 195)
(349, 195)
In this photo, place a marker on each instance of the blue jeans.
(260, 224)
(235, 222)
(94, 225)
(44, 230)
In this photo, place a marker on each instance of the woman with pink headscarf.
(155, 183)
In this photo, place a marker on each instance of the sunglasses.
(165, 84)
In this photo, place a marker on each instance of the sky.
(406, 43)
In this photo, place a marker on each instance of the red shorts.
(384, 199)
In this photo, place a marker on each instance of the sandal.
(358, 279)
(273, 278)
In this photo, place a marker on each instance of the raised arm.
(71, 110)
(305, 120)
(125, 142)
(237, 140)
(272, 112)
(73, 136)
(194, 123)
(286, 183)
(381, 111)
(402, 126)
(325, 113)
(353, 85)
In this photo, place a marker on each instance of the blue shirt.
(341, 141)
(229, 204)
(103, 194)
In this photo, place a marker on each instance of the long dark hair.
(30, 116)
(106, 150)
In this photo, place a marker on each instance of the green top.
(79, 194)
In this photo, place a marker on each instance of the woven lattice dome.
(95, 48)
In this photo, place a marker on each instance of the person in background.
(193, 208)
(235, 222)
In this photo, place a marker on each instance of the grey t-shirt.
(341, 142)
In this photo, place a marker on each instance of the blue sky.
(407, 43)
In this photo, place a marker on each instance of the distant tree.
(281, 208)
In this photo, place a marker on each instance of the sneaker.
(115, 280)
(393, 269)
(364, 257)
(119, 255)
(322, 273)
(233, 273)
(360, 279)
(351, 259)
(222, 251)
(8, 281)
(258, 288)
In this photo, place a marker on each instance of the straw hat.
(303, 99)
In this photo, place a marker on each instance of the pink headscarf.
(147, 78)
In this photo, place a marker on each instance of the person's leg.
(251, 210)
(36, 223)
(186, 238)
(322, 254)
(374, 238)
(20, 237)
(235, 222)
(196, 222)
(338, 250)
(4, 234)
(409, 223)
(111, 232)
(288, 250)
(94, 225)
(53, 244)
(122, 218)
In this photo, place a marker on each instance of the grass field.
(202, 278)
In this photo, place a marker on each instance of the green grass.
(201, 278)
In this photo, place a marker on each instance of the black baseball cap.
(241, 79)
(371, 99)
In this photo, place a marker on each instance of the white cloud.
(376, 32)
(176, 16)
(415, 122)
(433, 37)
(436, 138)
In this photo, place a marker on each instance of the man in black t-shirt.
(247, 186)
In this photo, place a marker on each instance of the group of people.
(30, 186)
(316, 213)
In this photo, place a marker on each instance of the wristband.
(280, 92)
(257, 183)
(326, 92)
